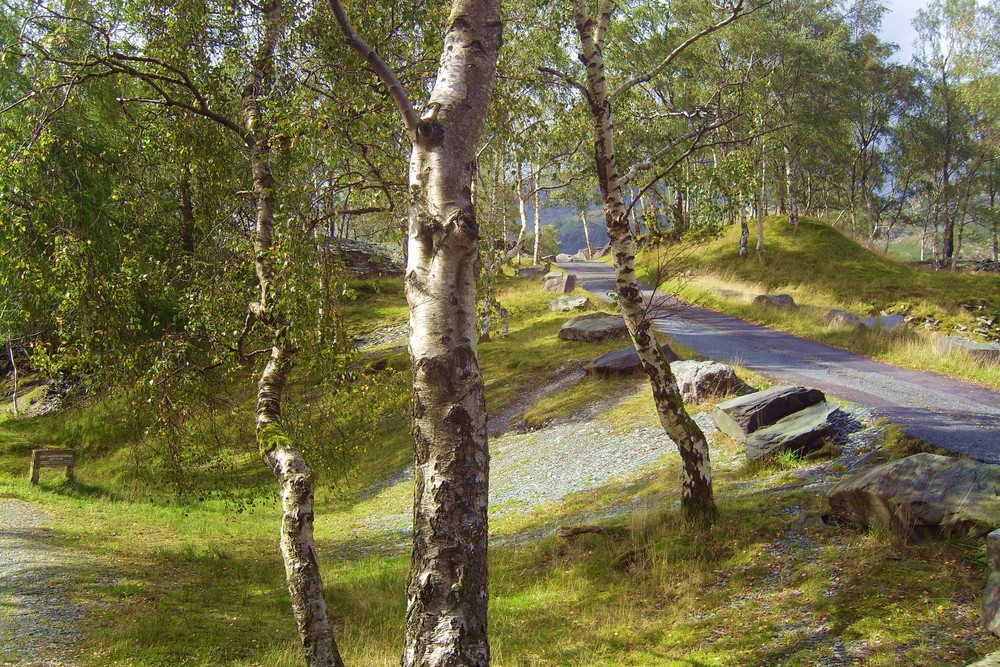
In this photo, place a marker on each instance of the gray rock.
(623, 362)
(923, 495)
(842, 318)
(582, 255)
(563, 257)
(565, 304)
(700, 380)
(739, 417)
(774, 301)
(559, 283)
(804, 431)
(884, 322)
(730, 294)
(537, 271)
(593, 327)
(985, 353)
(991, 660)
(601, 252)
(991, 596)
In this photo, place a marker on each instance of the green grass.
(823, 269)
(199, 583)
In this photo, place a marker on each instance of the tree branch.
(737, 10)
(381, 69)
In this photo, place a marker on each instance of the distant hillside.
(567, 221)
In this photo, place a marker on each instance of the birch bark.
(447, 588)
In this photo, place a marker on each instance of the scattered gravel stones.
(392, 334)
(37, 615)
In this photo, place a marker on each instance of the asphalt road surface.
(961, 417)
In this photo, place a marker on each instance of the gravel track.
(961, 417)
(37, 614)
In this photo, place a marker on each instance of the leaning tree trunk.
(696, 500)
(586, 234)
(793, 205)
(447, 587)
(744, 230)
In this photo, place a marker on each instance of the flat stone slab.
(565, 304)
(884, 322)
(559, 283)
(774, 301)
(802, 432)
(536, 271)
(623, 362)
(741, 416)
(593, 327)
(701, 380)
(843, 318)
(924, 495)
(985, 353)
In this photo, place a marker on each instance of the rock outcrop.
(924, 495)
(593, 327)
(701, 380)
(884, 322)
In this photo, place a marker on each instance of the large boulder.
(774, 301)
(802, 432)
(559, 283)
(738, 417)
(623, 362)
(565, 304)
(991, 596)
(563, 257)
(701, 380)
(593, 327)
(536, 271)
(985, 353)
(923, 495)
(843, 318)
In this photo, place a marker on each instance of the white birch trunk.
(537, 205)
(586, 234)
(447, 588)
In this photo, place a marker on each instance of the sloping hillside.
(818, 257)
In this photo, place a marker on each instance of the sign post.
(52, 458)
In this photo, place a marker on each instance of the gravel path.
(960, 417)
(37, 615)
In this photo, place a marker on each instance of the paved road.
(961, 417)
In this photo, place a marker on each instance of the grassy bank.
(823, 269)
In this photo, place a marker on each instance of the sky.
(897, 26)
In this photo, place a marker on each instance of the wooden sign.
(52, 458)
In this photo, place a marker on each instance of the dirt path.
(37, 613)
(958, 416)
